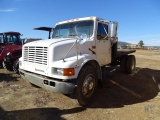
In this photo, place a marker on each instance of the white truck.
(71, 61)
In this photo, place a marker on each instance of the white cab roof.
(80, 19)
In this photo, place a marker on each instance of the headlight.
(59, 71)
(65, 71)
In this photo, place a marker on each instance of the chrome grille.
(34, 54)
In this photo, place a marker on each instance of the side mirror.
(83, 39)
(24, 41)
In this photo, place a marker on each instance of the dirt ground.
(123, 97)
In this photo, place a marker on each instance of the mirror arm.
(69, 50)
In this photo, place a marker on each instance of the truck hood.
(49, 42)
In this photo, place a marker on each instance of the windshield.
(13, 39)
(74, 29)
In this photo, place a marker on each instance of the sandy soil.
(123, 97)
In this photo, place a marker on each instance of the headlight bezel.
(65, 71)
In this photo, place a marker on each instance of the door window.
(102, 31)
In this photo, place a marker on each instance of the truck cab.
(71, 61)
(10, 43)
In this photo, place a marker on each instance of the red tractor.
(10, 49)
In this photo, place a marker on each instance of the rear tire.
(86, 85)
(131, 64)
(123, 63)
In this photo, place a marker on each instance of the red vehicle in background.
(11, 46)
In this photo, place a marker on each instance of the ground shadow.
(121, 89)
(38, 114)
(8, 76)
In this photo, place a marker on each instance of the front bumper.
(48, 83)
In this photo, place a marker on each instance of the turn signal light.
(68, 71)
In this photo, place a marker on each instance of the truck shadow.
(38, 114)
(121, 89)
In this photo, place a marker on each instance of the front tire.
(6, 66)
(16, 66)
(86, 85)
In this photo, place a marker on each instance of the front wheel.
(16, 66)
(6, 65)
(86, 85)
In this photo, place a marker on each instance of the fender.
(90, 60)
(72, 62)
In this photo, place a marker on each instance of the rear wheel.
(123, 63)
(86, 85)
(130, 64)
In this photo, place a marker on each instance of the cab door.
(103, 44)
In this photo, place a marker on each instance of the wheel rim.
(88, 86)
